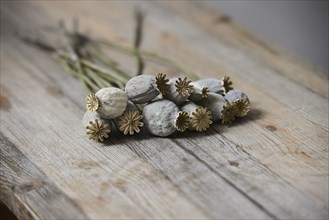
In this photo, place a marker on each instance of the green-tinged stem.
(139, 17)
(105, 71)
(189, 73)
(140, 63)
(113, 77)
(75, 74)
(92, 76)
(110, 79)
(83, 75)
(93, 85)
(121, 85)
(109, 63)
(98, 78)
(128, 50)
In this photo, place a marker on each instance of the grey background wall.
(301, 26)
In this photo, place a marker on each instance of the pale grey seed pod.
(213, 85)
(112, 102)
(162, 118)
(235, 94)
(132, 106)
(142, 89)
(215, 103)
(199, 92)
(240, 101)
(97, 128)
(189, 107)
(200, 117)
(90, 116)
(179, 90)
(130, 121)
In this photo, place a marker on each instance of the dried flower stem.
(94, 76)
(151, 55)
(104, 71)
(110, 63)
(74, 73)
(137, 41)
(101, 82)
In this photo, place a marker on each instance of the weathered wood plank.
(212, 192)
(254, 177)
(24, 188)
(268, 163)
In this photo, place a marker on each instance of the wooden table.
(271, 164)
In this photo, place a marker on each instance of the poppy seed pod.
(228, 113)
(200, 117)
(130, 120)
(199, 92)
(227, 83)
(112, 102)
(235, 95)
(213, 85)
(142, 89)
(97, 128)
(132, 106)
(179, 90)
(162, 83)
(162, 118)
(240, 100)
(214, 103)
(92, 102)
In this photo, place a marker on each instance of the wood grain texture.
(271, 164)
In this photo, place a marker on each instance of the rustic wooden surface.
(271, 164)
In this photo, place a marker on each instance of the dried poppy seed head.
(213, 85)
(201, 119)
(214, 103)
(162, 83)
(130, 122)
(236, 94)
(240, 100)
(179, 90)
(98, 131)
(112, 102)
(204, 92)
(242, 107)
(90, 116)
(182, 121)
(228, 113)
(227, 83)
(199, 92)
(183, 87)
(142, 89)
(132, 106)
(92, 102)
(160, 116)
